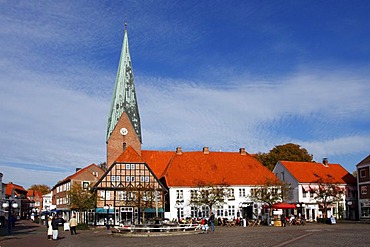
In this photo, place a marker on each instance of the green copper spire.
(124, 95)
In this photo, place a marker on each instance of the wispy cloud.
(207, 74)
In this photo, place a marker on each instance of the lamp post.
(10, 203)
(107, 207)
(300, 207)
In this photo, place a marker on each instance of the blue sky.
(222, 74)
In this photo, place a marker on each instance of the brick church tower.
(124, 127)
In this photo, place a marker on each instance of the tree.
(81, 199)
(271, 192)
(286, 152)
(142, 197)
(44, 189)
(209, 194)
(326, 192)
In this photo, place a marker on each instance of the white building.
(303, 178)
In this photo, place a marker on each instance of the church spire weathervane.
(124, 95)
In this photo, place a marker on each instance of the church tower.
(124, 127)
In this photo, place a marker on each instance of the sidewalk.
(25, 233)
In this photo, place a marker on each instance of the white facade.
(301, 195)
(47, 202)
(238, 204)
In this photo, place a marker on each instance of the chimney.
(77, 169)
(178, 150)
(242, 151)
(325, 162)
(205, 150)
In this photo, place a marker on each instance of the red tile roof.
(216, 167)
(158, 160)
(129, 155)
(189, 167)
(77, 173)
(34, 193)
(17, 189)
(305, 172)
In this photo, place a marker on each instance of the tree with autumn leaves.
(271, 191)
(326, 192)
(81, 199)
(209, 194)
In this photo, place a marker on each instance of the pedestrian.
(283, 220)
(212, 221)
(54, 225)
(73, 225)
(50, 228)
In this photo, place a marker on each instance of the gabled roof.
(82, 170)
(129, 155)
(232, 168)
(364, 161)
(304, 172)
(17, 189)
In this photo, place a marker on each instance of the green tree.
(44, 189)
(326, 192)
(81, 199)
(286, 152)
(209, 194)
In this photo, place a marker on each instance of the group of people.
(292, 220)
(53, 227)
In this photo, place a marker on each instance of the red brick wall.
(116, 140)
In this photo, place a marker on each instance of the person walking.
(212, 221)
(54, 225)
(73, 225)
(50, 228)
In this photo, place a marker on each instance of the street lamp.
(9, 203)
(107, 207)
(300, 207)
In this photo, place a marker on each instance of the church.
(143, 184)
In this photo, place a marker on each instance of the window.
(220, 211)
(85, 185)
(363, 173)
(144, 179)
(253, 192)
(179, 194)
(193, 194)
(132, 166)
(231, 210)
(231, 194)
(121, 195)
(128, 179)
(128, 166)
(304, 192)
(241, 192)
(364, 190)
(132, 178)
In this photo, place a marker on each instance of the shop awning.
(152, 210)
(104, 211)
(281, 205)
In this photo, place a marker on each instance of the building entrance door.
(126, 215)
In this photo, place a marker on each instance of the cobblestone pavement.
(28, 234)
